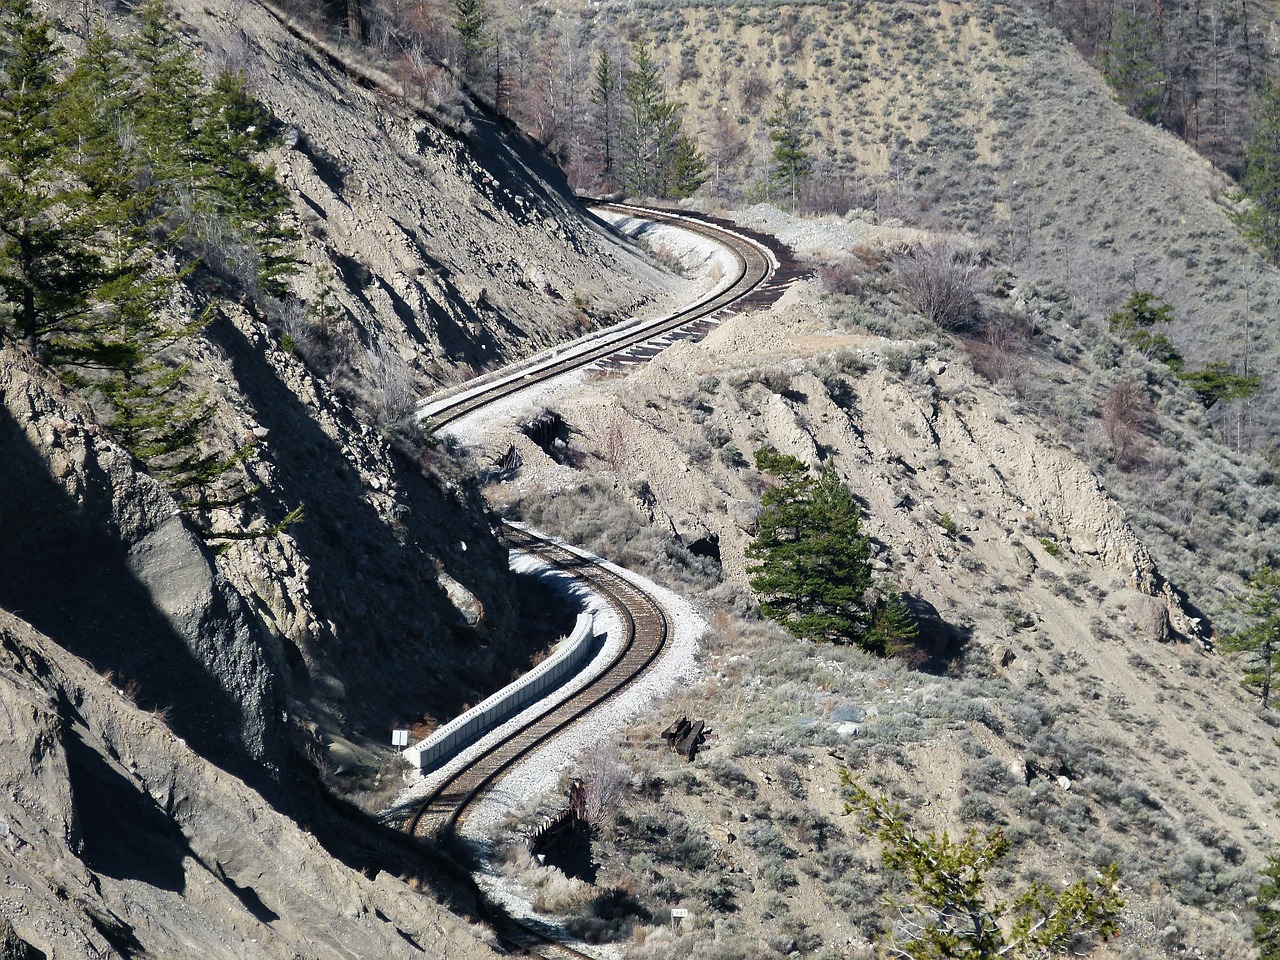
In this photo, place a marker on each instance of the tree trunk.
(355, 28)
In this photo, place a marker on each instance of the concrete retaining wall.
(462, 731)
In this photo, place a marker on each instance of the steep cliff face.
(96, 554)
(391, 598)
(117, 840)
(440, 247)
(434, 242)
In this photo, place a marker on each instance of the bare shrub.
(840, 277)
(391, 387)
(942, 281)
(753, 91)
(1127, 415)
(836, 195)
(434, 86)
(605, 785)
(999, 349)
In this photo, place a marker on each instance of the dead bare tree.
(1127, 414)
(391, 386)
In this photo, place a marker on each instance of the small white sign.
(679, 913)
(399, 738)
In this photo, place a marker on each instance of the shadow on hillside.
(402, 647)
(940, 644)
(64, 570)
(125, 835)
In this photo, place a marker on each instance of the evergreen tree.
(1216, 382)
(604, 96)
(199, 144)
(813, 566)
(894, 626)
(947, 909)
(1262, 175)
(1266, 931)
(236, 128)
(1259, 640)
(49, 261)
(1135, 322)
(688, 170)
(789, 162)
(93, 115)
(1130, 65)
(470, 18)
(647, 122)
(167, 104)
(658, 159)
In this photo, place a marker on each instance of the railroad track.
(645, 627)
(763, 268)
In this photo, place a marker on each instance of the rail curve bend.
(764, 269)
(646, 630)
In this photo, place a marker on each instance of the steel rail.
(646, 630)
(761, 266)
(643, 619)
(756, 265)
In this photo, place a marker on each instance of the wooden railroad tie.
(686, 736)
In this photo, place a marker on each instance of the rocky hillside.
(434, 243)
(975, 117)
(119, 840)
(1065, 696)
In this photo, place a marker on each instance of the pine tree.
(1259, 640)
(789, 162)
(1216, 382)
(1130, 64)
(168, 103)
(603, 95)
(49, 260)
(236, 128)
(947, 908)
(894, 626)
(688, 169)
(1261, 179)
(647, 116)
(93, 115)
(199, 144)
(659, 160)
(470, 18)
(813, 566)
(1135, 322)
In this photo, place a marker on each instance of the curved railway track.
(762, 264)
(645, 627)
(762, 267)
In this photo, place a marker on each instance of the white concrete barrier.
(464, 730)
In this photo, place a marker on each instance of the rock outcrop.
(95, 553)
(117, 840)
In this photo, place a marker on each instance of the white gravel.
(473, 429)
(824, 236)
(541, 771)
